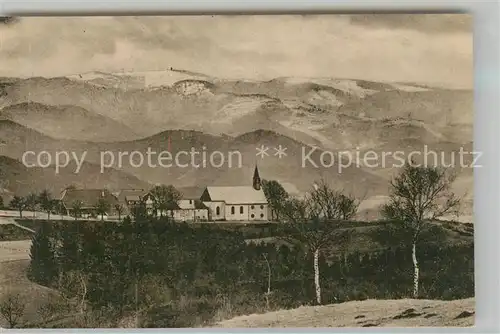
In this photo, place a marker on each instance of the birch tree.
(311, 221)
(418, 196)
(73, 287)
(268, 293)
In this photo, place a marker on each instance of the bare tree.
(165, 198)
(418, 196)
(54, 306)
(332, 204)
(32, 202)
(12, 309)
(119, 209)
(311, 221)
(47, 204)
(18, 203)
(76, 208)
(102, 207)
(73, 285)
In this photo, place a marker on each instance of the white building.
(191, 208)
(241, 203)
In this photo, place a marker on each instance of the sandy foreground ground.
(367, 313)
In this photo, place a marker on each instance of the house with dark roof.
(88, 199)
(243, 203)
(129, 198)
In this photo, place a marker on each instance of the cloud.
(431, 23)
(384, 49)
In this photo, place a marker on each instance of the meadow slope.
(367, 313)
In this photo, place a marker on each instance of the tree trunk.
(136, 317)
(21, 213)
(48, 215)
(84, 294)
(268, 281)
(316, 276)
(415, 269)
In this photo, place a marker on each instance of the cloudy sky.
(432, 49)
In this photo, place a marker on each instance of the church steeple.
(256, 179)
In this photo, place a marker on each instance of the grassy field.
(368, 313)
(13, 280)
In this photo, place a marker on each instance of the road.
(12, 221)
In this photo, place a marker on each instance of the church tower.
(256, 179)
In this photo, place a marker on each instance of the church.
(237, 203)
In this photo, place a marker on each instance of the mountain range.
(175, 110)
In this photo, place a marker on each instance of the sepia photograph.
(237, 171)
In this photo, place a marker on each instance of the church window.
(262, 206)
(252, 215)
(232, 210)
(217, 211)
(261, 215)
(241, 210)
(251, 207)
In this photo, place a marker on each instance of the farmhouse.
(88, 199)
(239, 203)
(131, 197)
(128, 198)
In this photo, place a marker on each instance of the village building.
(88, 199)
(212, 203)
(238, 203)
(129, 198)
(191, 208)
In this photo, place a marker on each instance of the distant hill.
(289, 169)
(178, 109)
(18, 139)
(22, 180)
(67, 122)
(183, 100)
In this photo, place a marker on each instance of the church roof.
(237, 195)
(256, 173)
